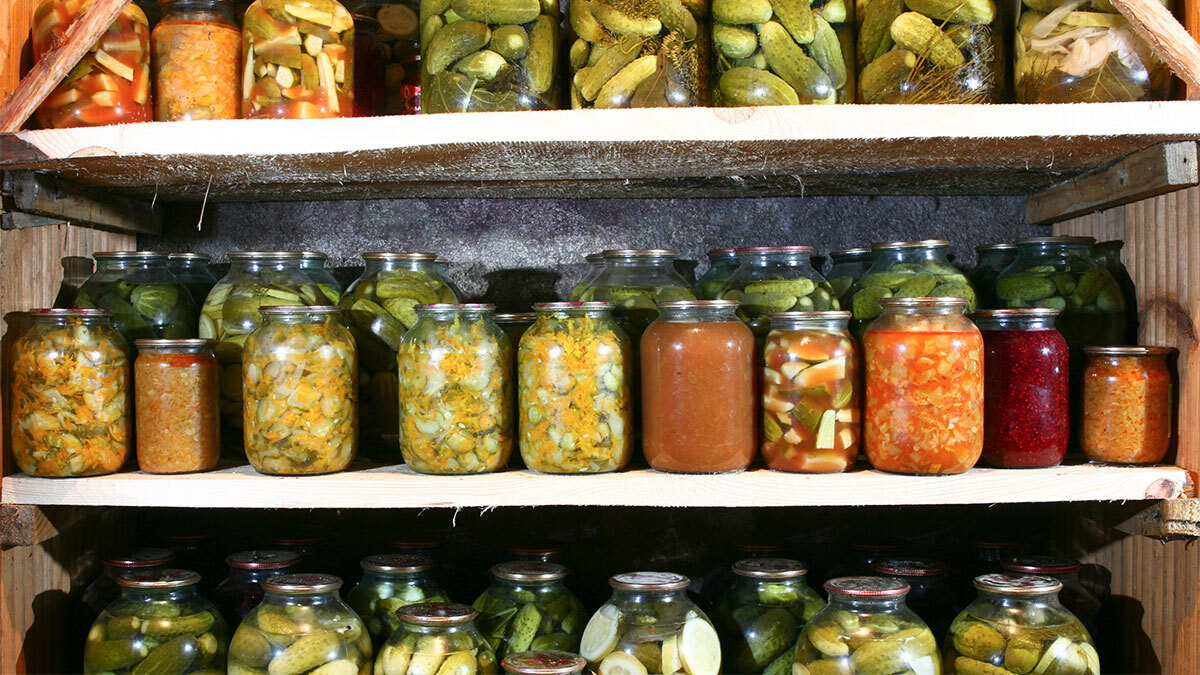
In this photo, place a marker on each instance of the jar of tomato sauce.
(1026, 419)
(698, 388)
(1126, 405)
(924, 409)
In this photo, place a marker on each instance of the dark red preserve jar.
(1025, 412)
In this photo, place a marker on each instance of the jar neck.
(863, 605)
(322, 598)
(1143, 360)
(159, 594)
(996, 257)
(1016, 323)
(73, 321)
(799, 259)
(176, 351)
(256, 265)
(447, 314)
(922, 310)
(698, 314)
(376, 265)
(563, 314)
(206, 11)
(375, 576)
(781, 323)
(1021, 598)
(648, 596)
(846, 258)
(742, 583)
(1054, 250)
(726, 259)
(125, 264)
(524, 583)
(932, 253)
(658, 264)
(300, 317)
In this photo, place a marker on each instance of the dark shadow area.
(517, 290)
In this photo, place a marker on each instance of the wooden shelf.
(399, 487)
(802, 150)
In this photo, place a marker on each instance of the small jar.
(760, 618)
(722, 263)
(71, 395)
(575, 410)
(456, 391)
(776, 279)
(159, 624)
(924, 396)
(191, 269)
(1074, 596)
(528, 607)
(810, 397)
(104, 589)
(389, 582)
(595, 265)
(546, 662)
(299, 377)
(175, 405)
(313, 264)
(370, 59)
(1126, 405)
(301, 625)
(197, 61)
(536, 552)
(848, 265)
(635, 280)
(239, 592)
(146, 300)
(991, 260)
(867, 628)
(435, 637)
(932, 597)
(698, 410)
(1017, 623)
(907, 269)
(650, 624)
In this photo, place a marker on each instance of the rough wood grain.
(49, 196)
(32, 525)
(15, 42)
(1170, 40)
(1167, 519)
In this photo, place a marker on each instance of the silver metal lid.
(1024, 584)
(718, 252)
(638, 253)
(649, 581)
(594, 257)
(773, 249)
(1040, 564)
(921, 243)
(265, 255)
(301, 583)
(851, 252)
(196, 344)
(529, 571)
(265, 559)
(770, 568)
(1128, 350)
(298, 309)
(314, 255)
(408, 255)
(131, 255)
(76, 313)
(559, 306)
(437, 613)
(1056, 240)
(867, 587)
(995, 247)
(909, 567)
(189, 256)
(397, 563)
(158, 578)
(140, 557)
(543, 663)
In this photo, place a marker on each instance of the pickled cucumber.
(1091, 302)
(927, 278)
(516, 616)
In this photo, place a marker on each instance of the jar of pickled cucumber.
(776, 279)
(75, 270)
(907, 269)
(650, 625)
(456, 391)
(1081, 602)
(866, 628)
(433, 638)
(191, 269)
(1110, 255)
(389, 582)
(635, 280)
(1017, 624)
(545, 662)
(104, 589)
(146, 300)
(861, 553)
(313, 264)
(239, 592)
(848, 265)
(399, 36)
(991, 260)
(760, 618)
(595, 265)
(722, 263)
(528, 607)
(159, 624)
(482, 55)
(932, 597)
(299, 375)
(301, 625)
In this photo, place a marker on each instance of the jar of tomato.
(1126, 405)
(197, 61)
(698, 388)
(924, 409)
(176, 406)
(1026, 419)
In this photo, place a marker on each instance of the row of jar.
(298, 59)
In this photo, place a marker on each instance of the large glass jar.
(991, 260)
(635, 280)
(160, 624)
(111, 84)
(175, 406)
(1126, 405)
(399, 36)
(1017, 623)
(595, 265)
(651, 625)
(776, 279)
(713, 585)
(722, 263)
(575, 410)
(456, 391)
(932, 597)
(197, 61)
(299, 378)
(146, 300)
(760, 618)
(191, 269)
(477, 56)
(545, 662)
(810, 398)
(298, 60)
(1074, 596)
(867, 628)
(313, 264)
(301, 626)
(304, 543)
(907, 269)
(104, 588)
(848, 265)
(389, 582)
(240, 591)
(436, 638)
(370, 59)
(781, 53)
(71, 394)
(527, 606)
(193, 550)
(698, 389)
(924, 397)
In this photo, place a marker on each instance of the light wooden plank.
(1164, 33)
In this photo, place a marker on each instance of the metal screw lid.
(529, 571)
(770, 568)
(396, 563)
(436, 613)
(138, 557)
(543, 663)
(263, 559)
(301, 583)
(158, 578)
(909, 567)
(649, 581)
(1040, 564)
(867, 587)
(1023, 584)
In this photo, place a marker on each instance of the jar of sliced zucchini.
(529, 607)
(436, 638)
(389, 582)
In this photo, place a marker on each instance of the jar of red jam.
(1126, 405)
(1026, 417)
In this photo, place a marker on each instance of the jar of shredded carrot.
(924, 393)
(175, 397)
(197, 61)
(1126, 405)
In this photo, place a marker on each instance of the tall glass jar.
(299, 377)
(651, 625)
(176, 408)
(434, 638)
(1074, 596)
(300, 626)
(146, 300)
(595, 265)
(810, 381)
(722, 263)
(907, 269)
(760, 618)
(545, 662)
(991, 260)
(776, 279)
(1109, 254)
(104, 589)
(297, 60)
(848, 265)
(635, 280)
(932, 597)
(370, 59)
(528, 607)
(575, 410)
(197, 61)
(456, 391)
(160, 624)
(191, 269)
(71, 394)
(313, 264)
(1017, 623)
(698, 389)
(924, 397)
(110, 84)
(389, 582)
(1127, 407)
(240, 590)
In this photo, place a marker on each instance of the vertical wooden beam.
(16, 42)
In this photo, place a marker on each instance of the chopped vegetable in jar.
(1126, 405)
(197, 62)
(175, 384)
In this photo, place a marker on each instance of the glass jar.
(848, 265)
(1026, 417)
(389, 582)
(514, 325)
(989, 554)
(370, 58)
(661, 54)
(110, 84)
(76, 270)
(71, 394)
(760, 618)
(197, 61)
(104, 589)
(698, 389)
(456, 391)
(722, 263)
(146, 300)
(650, 624)
(1074, 596)
(304, 544)
(193, 551)
(298, 60)
(536, 552)
(160, 624)
(806, 57)
(442, 267)
(810, 397)
(867, 628)
(932, 597)
(635, 280)
(300, 376)
(857, 561)
(576, 414)
(1126, 405)
(1017, 623)
(400, 39)
(191, 269)
(907, 269)
(528, 607)
(595, 265)
(239, 592)
(545, 662)
(479, 58)
(991, 260)
(433, 638)
(313, 264)
(301, 625)
(1109, 254)
(924, 397)
(175, 406)
(776, 279)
